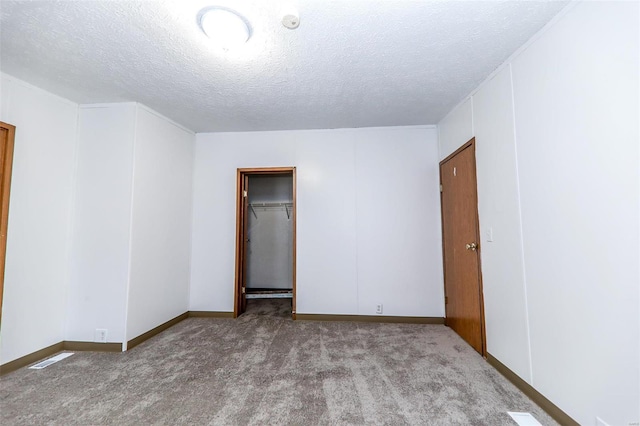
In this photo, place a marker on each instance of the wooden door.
(7, 134)
(460, 234)
(243, 235)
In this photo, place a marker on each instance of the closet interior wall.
(270, 233)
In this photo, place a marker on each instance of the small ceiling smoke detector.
(291, 21)
(225, 27)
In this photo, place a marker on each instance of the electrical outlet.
(379, 309)
(100, 336)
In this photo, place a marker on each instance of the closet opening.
(266, 242)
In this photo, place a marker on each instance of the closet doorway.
(266, 241)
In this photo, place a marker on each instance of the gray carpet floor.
(263, 368)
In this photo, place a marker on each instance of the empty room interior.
(320, 212)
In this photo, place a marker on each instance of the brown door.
(243, 240)
(7, 133)
(462, 278)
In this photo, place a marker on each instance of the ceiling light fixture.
(225, 27)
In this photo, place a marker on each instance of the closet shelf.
(271, 205)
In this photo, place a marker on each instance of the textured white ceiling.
(349, 64)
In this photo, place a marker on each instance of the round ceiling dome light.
(225, 27)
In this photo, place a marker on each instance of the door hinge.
(244, 194)
(440, 187)
(446, 300)
(244, 290)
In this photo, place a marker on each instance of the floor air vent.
(52, 360)
(524, 419)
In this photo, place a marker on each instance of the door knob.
(472, 246)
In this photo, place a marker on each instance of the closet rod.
(285, 205)
(288, 204)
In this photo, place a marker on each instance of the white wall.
(499, 211)
(160, 223)
(455, 127)
(132, 220)
(327, 262)
(39, 217)
(126, 257)
(399, 241)
(557, 150)
(102, 212)
(363, 237)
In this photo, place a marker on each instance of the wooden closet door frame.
(5, 189)
(472, 145)
(241, 214)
